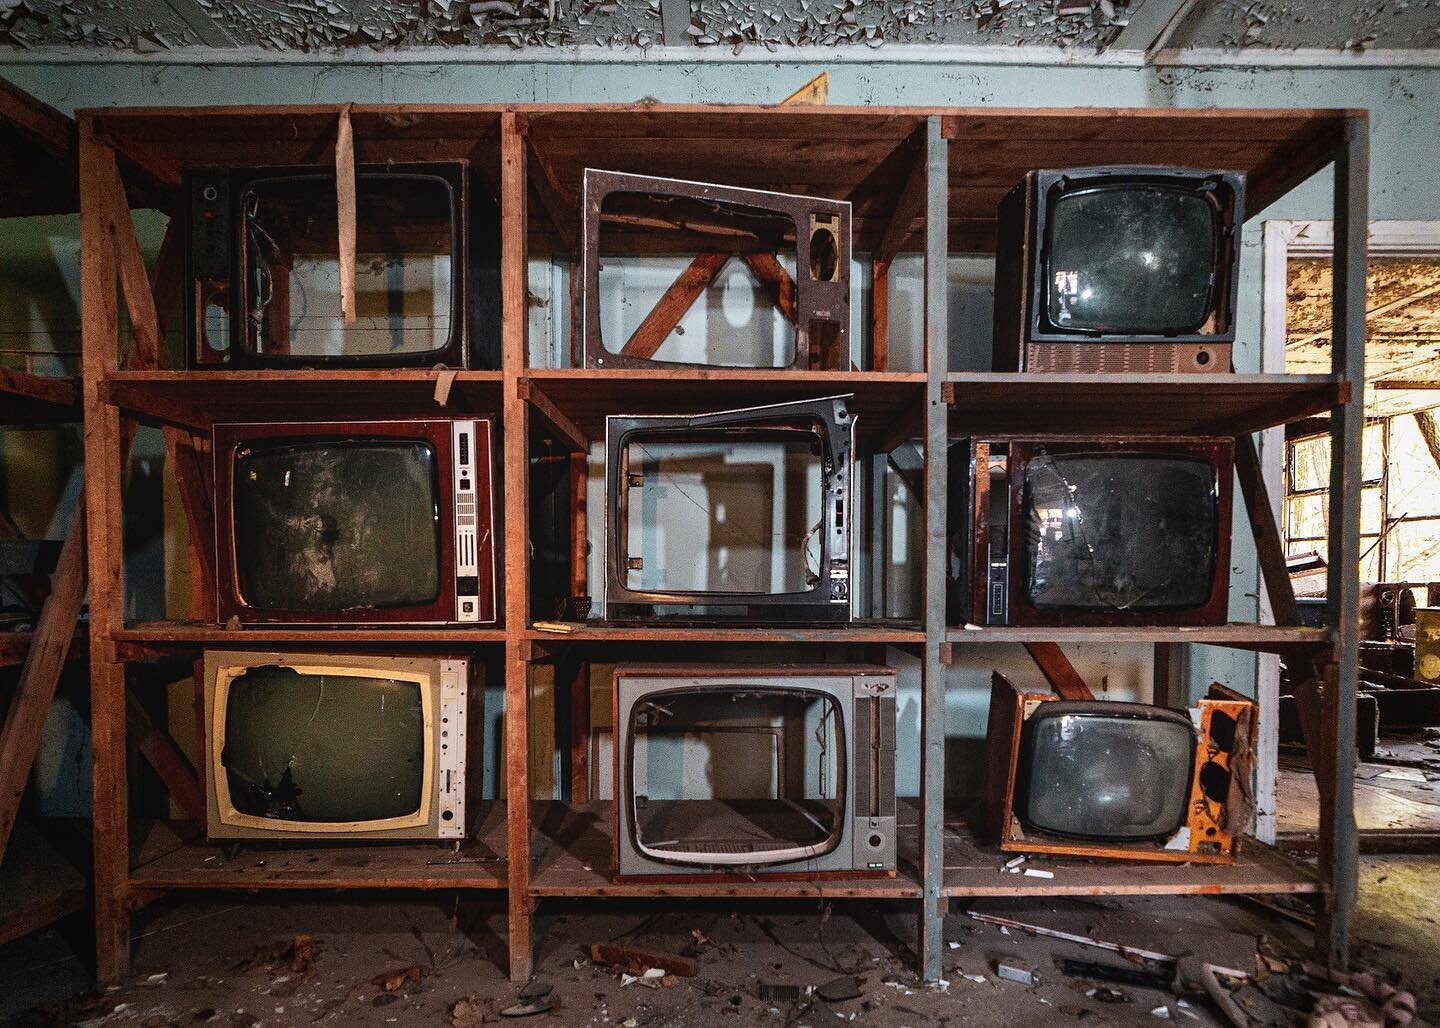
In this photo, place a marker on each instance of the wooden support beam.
(134, 279)
(1269, 546)
(562, 206)
(1058, 670)
(516, 521)
(678, 299)
(563, 423)
(909, 205)
(161, 753)
(40, 675)
(776, 280)
(345, 212)
(98, 271)
(879, 316)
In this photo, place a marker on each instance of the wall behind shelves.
(1405, 112)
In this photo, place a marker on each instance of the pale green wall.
(1405, 147)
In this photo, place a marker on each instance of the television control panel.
(465, 449)
(450, 750)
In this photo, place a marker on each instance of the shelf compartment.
(38, 885)
(201, 399)
(886, 402)
(1015, 403)
(573, 851)
(158, 638)
(898, 635)
(1267, 638)
(972, 868)
(479, 864)
(29, 399)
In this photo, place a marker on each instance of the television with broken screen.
(323, 746)
(742, 515)
(746, 771)
(1118, 269)
(1051, 531)
(1106, 778)
(355, 522)
(680, 274)
(263, 260)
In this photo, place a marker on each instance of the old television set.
(263, 268)
(355, 522)
(679, 274)
(1117, 779)
(322, 746)
(743, 515)
(754, 771)
(1102, 531)
(1118, 269)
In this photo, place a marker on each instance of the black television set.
(1119, 269)
(263, 268)
(741, 515)
(1102, 531)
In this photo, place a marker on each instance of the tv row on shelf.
(1126, 269)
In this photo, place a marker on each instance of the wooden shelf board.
(572, 853)
(38, 886)
(158, 637)
(883, 400)
(29, 399)
(972, 868)
(480, 864)
(984, 403)
(860, 634)
(201, 399)
(15, 645)
(1256, 637)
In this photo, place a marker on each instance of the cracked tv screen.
(323, 748)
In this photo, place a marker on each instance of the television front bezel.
(445, 741)
(474, 266)
(845, 684)
(815, 301)
(228, 438)
(1050, 184)
(1216, 450)
(620, 603)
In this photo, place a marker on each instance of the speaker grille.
(1128, 358)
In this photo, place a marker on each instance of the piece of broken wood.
(633, 961)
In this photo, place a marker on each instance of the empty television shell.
(863, 842)
(215, 263)
(819, 293)
(832, 599)
(1024, 340)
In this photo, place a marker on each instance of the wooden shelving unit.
(918, 179)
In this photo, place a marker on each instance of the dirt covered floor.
(231, 960)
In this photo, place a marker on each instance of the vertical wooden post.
(1339, 839)
(879, 315)
(580, 678)
(100, 355)
(932, 717)
(517, 520)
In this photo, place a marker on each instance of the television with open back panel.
(1122, 269)
(263, 268)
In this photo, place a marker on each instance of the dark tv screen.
(1118, 774)
(1131, 260)
(323, 748)
(337, 525)
(1119, 531)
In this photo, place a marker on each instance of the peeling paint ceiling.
(318, 26)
